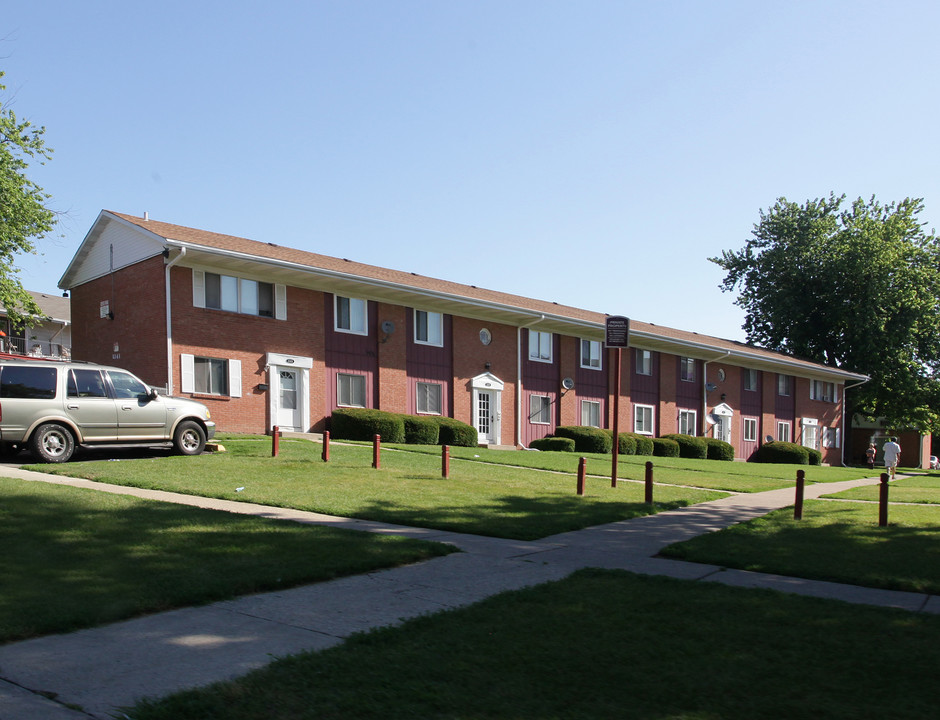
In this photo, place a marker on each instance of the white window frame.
(544, 403)
(591, 354)
(639, 419)
(432, 326)
(831, 437)
(644, 362)
(188, 375)
(823, 391)
(750, 379)
(687, 369)
(349, 379)
(540, 346)
(784, 429)
(426, 396)
(592, 410)
(240, 295)
(750, 429)
(358, 310)
(784, 385)
(689, 419)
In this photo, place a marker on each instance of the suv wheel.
(190, 438)
(52, 443)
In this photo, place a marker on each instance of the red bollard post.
(649, 483)
(582, 465)
(798, 503)
(275, 441)
(326, 446)
(376, 451)
(883, 501)
(445, 462)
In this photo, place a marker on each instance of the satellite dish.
(770, 438)
(567, 383)
(711, 387)
(388, 327)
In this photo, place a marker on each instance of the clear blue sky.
(592, 153)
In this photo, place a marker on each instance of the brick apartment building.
(268, 335)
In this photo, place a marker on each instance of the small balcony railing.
(35, 348)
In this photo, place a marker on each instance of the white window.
(350, 316)
(644, 362)
(783, 431)
(687, 422)
(540, 409)
(591, 354)
(831, 438)
(429, 398)
(750, 429)
(750, 379)
(825, 391)
(687, 369)
(429, 328)
(643, 419)
(591, 413)
(210, 376)
(351, 390)
(810, 435)
(241, 295)
(540, 346)
(783, 384)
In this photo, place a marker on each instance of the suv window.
(86, 384)
(126, 385)
(28, 382)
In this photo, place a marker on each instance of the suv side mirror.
(153, 394)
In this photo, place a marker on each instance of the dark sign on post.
(618, 331)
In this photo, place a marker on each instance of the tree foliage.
(24, 217)
(855, 286)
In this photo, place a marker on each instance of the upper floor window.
(350, 316)
(783, 384)
(825, 391)
(644, 362)
(429, 328)
(540, 346)
(687, 369)
(591, 354)
(235, 294)
(750, 379)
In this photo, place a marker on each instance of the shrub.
(665, 447)
(781, 452)
(626, 444)
(556, 444)
(689, 446)
(421, 430)
(364, 424)
(815, 457)
(719, 449)
(454, 432)
(586, 439)
(644, 444)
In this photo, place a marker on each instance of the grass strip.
(837, 541)
(77, 558)
(479, 498)
(603, 644)
(915, 489)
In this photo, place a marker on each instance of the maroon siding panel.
(785, 405)
(426, 363)
(349, 353)
(644, 389)
(752, 400)
(591, 384)
(689, 393)
(540, 378)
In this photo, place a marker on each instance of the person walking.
(870, 454)
(892, 454)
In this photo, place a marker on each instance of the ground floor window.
(591, 413)
(783, 431)
(211, 376)
(750, 429)
(643, 419)
(688, 422)
(540, 409)
(831, 438)
(429, 398)
(351, 390)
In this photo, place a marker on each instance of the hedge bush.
(665, 447)
(781, 452)
(689, 446)
(626, 444)
(719, 449)
(644, 444)
(815, 457)
(364, 424)
(421, 430)
(454, 432)
(586, 439)
(556, 444)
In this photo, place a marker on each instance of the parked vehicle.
(52, 407)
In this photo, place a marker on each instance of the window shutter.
(235, 378)
(199, 289)
(280, 302)
(187, 378)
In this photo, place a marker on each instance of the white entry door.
(486, 422)
(288, 406)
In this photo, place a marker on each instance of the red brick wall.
(393, 377)
(668, 411)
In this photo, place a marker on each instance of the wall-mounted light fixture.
(723, 397)
(486, 365)
(261, 387)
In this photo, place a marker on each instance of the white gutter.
(169, 323)
(519, 376)
(844, 440)
(705, 388)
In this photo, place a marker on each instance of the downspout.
(169, 323)
(705, 388)
(846, 388)
(519, 376)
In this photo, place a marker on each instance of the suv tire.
(52, 443)
(189, 438)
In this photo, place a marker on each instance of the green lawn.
(77, 558)
(914, 489)
(603, 644)
(480, 498)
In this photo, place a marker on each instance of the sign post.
(618, 337)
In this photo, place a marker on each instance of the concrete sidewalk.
(102, 669)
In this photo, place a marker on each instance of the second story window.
(234, 294)
(825, 391)
(540, 346)
(644, 362)
(687, 369)
(783, 384)
(591, 354)
(429, 328)
(351, 315)
(750, 379)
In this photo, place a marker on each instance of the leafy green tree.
(24, 217)
(853, 286)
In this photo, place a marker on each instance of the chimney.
(146, 216)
